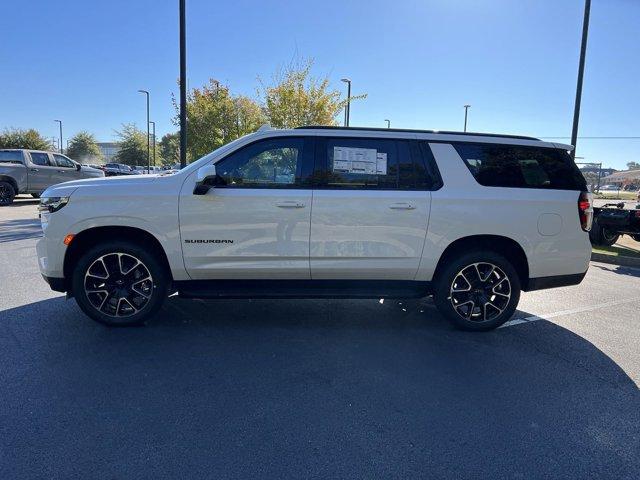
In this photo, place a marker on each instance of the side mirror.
(205, 179)
(78, 167)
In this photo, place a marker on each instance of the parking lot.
(316, 388)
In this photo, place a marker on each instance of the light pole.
(466, 109)
(153, 135)
(347, 108)
(388, 123)
(183, 85)
(60, 144)
(583, 52)
(148, 143)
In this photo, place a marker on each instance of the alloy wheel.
(118, 284)
(480, 292)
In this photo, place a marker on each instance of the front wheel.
(477, 291)
(7, 193)
(119, 283)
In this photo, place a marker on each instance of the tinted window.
(63, 161)
(10, 156)
(272, 163)
(39, 158)
(521, 167)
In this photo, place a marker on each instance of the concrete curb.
(615, 259)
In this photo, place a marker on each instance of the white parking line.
(533, 318)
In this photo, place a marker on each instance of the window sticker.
(364, 161)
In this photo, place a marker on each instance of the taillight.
(585, 210)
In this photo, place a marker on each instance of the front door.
(371, 211)
(66, 170)
(255, 223)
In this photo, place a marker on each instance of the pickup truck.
(33, 171)
(611, 221)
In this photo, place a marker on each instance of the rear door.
(371, 210)
(41, 171)
(255, 223)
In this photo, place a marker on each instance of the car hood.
(66, 188)
(86, 169)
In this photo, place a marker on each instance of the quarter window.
(10, 156)
(521, 166)
(40, 158)
(274, 163)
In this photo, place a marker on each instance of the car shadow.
(620, 269)
(308, 388)
(19, 229)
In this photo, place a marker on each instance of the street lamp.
(583, 52)
(153, 135)
(388, 123)
(60, 144)
(347, 108)
(148, 143)
(466, 109)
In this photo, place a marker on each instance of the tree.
(633, 166)
(169, 148)
(133, 146)
(21, 138)
(296, 98)
(216, 117)
(83, 147)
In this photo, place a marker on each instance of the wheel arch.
(505, 246)
(92, 236)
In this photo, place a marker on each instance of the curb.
(615, 259)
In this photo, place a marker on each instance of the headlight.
(52, 204)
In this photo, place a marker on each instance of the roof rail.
(410, 130)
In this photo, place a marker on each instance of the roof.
(624, 175)
(409, 130)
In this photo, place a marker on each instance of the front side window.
(40, 158)
(517, 166)
(62, 161)
(273, 163)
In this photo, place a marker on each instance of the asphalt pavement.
(316, 388)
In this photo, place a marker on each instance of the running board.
(302, 289)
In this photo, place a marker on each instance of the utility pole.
(466, 110)
(148, 143)
(388, 123)
(183, 85)
(583, 52)
(60, 144)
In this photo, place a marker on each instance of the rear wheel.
(600, 235)
(7, 193)
(119, 283)
(478, 291)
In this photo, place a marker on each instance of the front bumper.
(56, 284)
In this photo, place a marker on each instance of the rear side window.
(40, 158)
(517, 166)
(10, 156)
(374, 164)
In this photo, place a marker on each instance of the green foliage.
(133, 146)
(169, 148)
(22, 138)
(84, 148)
(296, 98)
(633, 166)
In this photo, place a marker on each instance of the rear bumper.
(555, 281)
(56, 284)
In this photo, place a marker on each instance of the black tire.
(7, 193)
(144, 297)
(601, 236)
(35, 195)
(492, 279)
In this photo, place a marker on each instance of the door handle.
(402, 206)
(290, 205)
(35, 170)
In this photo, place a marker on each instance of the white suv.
(472, 219)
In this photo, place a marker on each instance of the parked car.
(472, 219)
(112, 169)
(609, 188)
(32, 171)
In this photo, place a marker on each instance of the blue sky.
(514, 61)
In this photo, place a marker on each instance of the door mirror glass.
(205, 179)
(78, 167)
